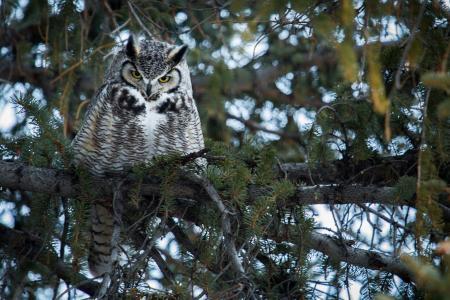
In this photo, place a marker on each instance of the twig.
(398, 84)
(255, 126)
(381, 216)
(192, 156)
(110, 13)
(16, 241)
(338, 250)
(117, 29)
(226, 224)
(77, 64)
(130, 5)
(162, 265)
(228, 236)
(422, 140)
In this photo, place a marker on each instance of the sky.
(271, 117)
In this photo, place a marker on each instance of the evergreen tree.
(328, 154)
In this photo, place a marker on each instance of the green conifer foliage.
(328, 146)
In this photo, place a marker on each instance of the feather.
(123, 128)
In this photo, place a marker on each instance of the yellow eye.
(136, 75)
(164, 79)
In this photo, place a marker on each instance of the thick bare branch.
(229, 244)
(17, 176)
(377, 170)
(340, 251)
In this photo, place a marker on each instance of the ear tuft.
(131, 49)
(177, 54)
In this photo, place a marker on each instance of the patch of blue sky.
(168, 243)
(327, 96)
(180, 17)
(39, 51)
(6, 213)
(284, 83)
(360, 89)
(272, 118)
(304, 119)
(79, 5)
(17, 13)
(399, 145)
(393, 30)
(240, 108)
(10, 114)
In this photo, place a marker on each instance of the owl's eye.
(136, 75)
(164, 79)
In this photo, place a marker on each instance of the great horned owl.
(144, 108)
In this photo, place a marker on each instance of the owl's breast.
(173, 125)
(123, 129)
(112, 137)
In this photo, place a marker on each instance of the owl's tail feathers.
(105, 234)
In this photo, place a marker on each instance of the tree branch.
(36, 76)
(252, 125)
(260, 85)
(338, 250)
(229, 245)
(376, 170)
(18, 176)
(21, 244)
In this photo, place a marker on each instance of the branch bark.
(339, 251)
(376, 170)
(229, 243)
(18, 176)
(252, 125)
(334, 248)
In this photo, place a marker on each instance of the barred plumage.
(144, 108)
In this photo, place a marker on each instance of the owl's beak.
(149, 89)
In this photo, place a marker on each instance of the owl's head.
(152, 67)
